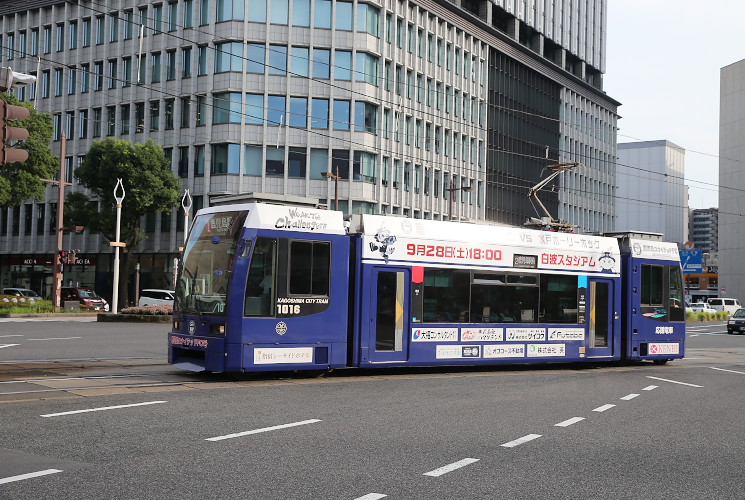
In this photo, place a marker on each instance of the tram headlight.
(217, 329)
(176, 326)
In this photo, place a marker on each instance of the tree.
(21, 181)
(149, 184)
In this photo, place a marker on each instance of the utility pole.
(56, 263)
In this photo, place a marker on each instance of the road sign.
(692, 261)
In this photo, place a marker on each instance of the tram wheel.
(661, 361)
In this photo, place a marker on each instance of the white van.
(728, 305)
(156, 297)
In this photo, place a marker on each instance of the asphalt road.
(635, 431)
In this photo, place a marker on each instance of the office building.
(732, 181)
(652, 195)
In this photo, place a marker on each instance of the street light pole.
(334, 176)
(116, 244)
(452, 190)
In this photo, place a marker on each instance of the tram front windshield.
(207, 263)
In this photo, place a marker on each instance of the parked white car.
(728, 305)
(698, 307)
(156, 297)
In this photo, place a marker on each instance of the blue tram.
(269, 287)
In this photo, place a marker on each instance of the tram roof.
(499, 234)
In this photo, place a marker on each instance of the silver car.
(156, 297)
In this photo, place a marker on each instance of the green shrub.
(23, 305)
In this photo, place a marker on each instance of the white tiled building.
(412, 103)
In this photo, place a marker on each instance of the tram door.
(389, 318)
(600, 318)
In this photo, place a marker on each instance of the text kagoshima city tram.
(270, 287)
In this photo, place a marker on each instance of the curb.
(47, 315)
(134, 318)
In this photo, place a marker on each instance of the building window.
(277, 59)
(296, 163)
(139, 117)
(58, 82)
(185, 112)
(226, 108)
(112, 73)
(341, 114)
(170, 65)
(111, 120)
(73, 42)
(279, 11)
(322, 14)
(255, 58)
(154, 115)
(342, 65)
(124, 111)
(275, 113)
(368, 19)
(226, 159)
(301, 13)
(365, 117)
(202, 60)
(229, 57)
(183, 161)
(155, 65)
(344, 15)
(100, 29)
(128, 24)
(97, 119)
(298, 112)
(367, 68)
(198, 161)
(83, 124)
(228, 10)
(255, 109)
(170, 105)
(299, 61)
(320, 113)
(322, 63)
(275, 162)
(186, 62)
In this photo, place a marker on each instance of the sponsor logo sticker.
(664, 348)
(504, 351)
(541, 350)
(434, 335)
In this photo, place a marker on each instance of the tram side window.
(310, 264)
(499, 298)
(260, 287)
(558, 298)
(446, 294)
(652, 285)
(677, 306)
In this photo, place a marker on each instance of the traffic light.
(61, 260)
(7, 113)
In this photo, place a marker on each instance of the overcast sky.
(663, 65)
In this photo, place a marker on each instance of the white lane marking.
(58, 338)
(102, 409)
(603, 408)
(451, 467)
(3, 336)
(725, 370)
(629, 397)
(674, 381)
(265, 429)
(650, 388)
(30, 475)
(7, 345)
(371, 496)
(521, 440)
(567, 423)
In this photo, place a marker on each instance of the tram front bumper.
(196, 354)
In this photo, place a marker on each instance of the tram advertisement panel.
(419, 241)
